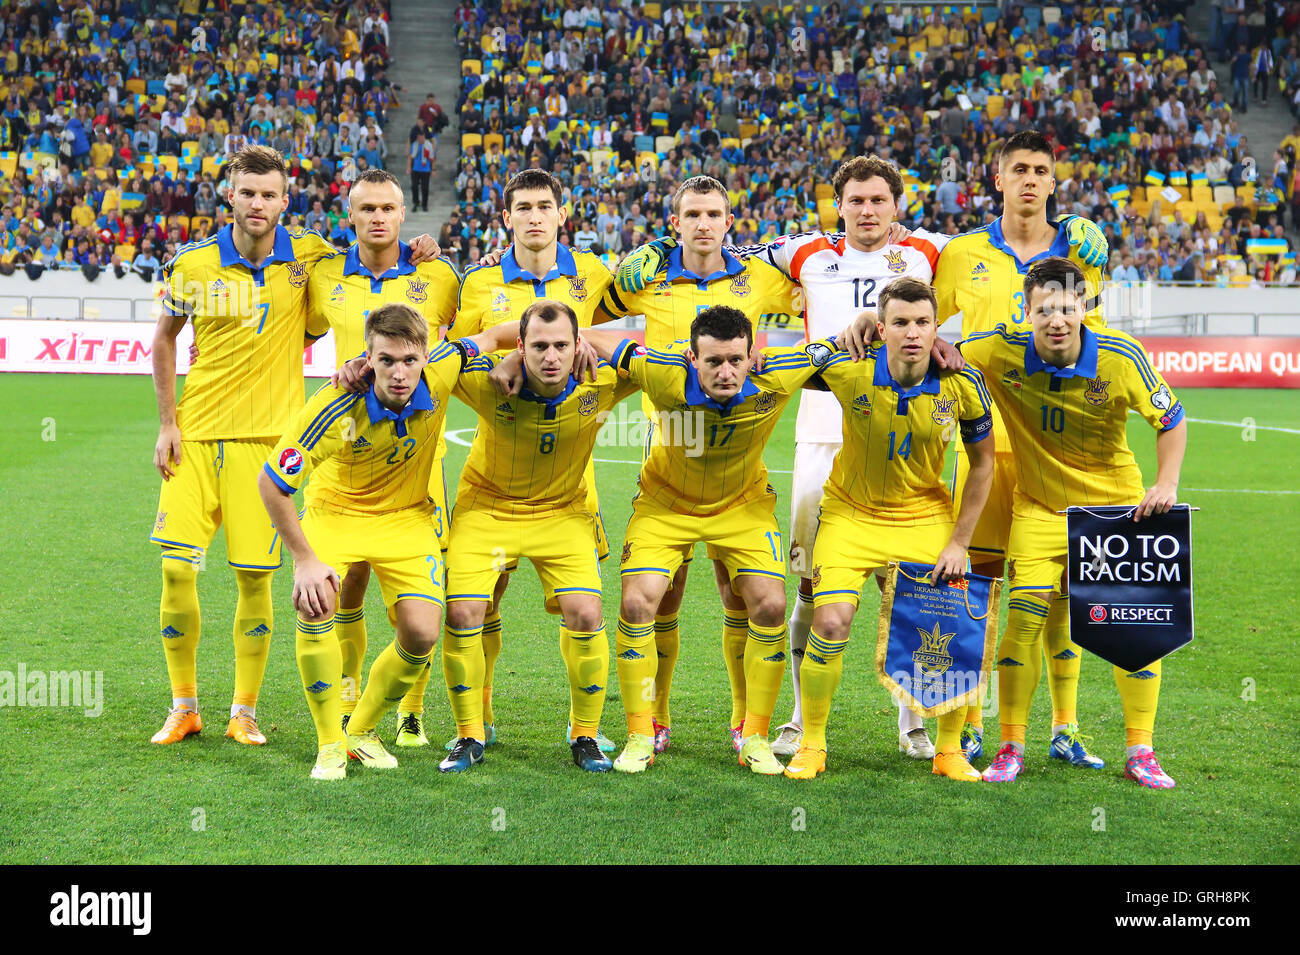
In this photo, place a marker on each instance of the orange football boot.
(243, 729)
(181, 722)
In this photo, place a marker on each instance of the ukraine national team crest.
(578, 287)
(932, 656)
(817, 576)
(297, 274)
(862, 405)
(417, 290)
(161, 522)
(587, 403)
(942, 410)
(764, 402)
(1097, 391)
(935, 642)
(627, 553)
(290, 461)
(740, 285)
(894, 261)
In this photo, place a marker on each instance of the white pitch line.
(1233, 490)
(1239, 424)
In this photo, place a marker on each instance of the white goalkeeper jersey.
(838, 282)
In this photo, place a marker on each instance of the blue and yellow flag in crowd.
(1154, 178)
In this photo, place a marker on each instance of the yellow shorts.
(560, 547)
(438, 498)
(989, 542)
(1038, 550)
(746, 539)
(593, 508)
(400, 546)
(851, 547)
(215, 484)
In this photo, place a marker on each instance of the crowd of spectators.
(622, 99)
(117, 116)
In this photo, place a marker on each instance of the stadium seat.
(135, 87)
(201, 224)
(824, 190)
(993, 108)
(171, 164)
(652, 10)
(1202, 194)
(470, 141)
(748, 131)
(475, 66)
(125, 252)
(156, 88)
(1033, 15)
(664, 143)
(827, 215)
(1051, 16)
(493, 139)
(1224, 195)
(644, 144)
(8, 166)
(647, 157)
(212, 167)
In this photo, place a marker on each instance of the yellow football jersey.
(675, 296)
(1068, 425)
(250, 325)
(342, 292)
(494, 295)
(708, 457)
(366, 458)
(981, 277)
(530, 453)
(672, 300)
(895, 438)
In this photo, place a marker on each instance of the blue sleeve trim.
(279, 482)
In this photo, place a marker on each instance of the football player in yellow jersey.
(698, 273)
(980, 277)
(704, 480)
(1065, 391)
(371, 455)
(523, 494)
(344, 288)
(535, 266)
(245, 291)
(885, 500)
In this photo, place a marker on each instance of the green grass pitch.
(81, 586)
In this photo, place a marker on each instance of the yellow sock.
(823, 662)
(462, 667)
(1139, 692)
(391, 675)
(975, 714)
(413, 702)
(949, 738)
(254, 620)
(178, 621)
(735, 636)
(1063, 661)
(350, 625)
(491, 650)
(1020, 662)
(320, 664)
(635, 660)
(667, 643)
(586, 658)
(764, 673)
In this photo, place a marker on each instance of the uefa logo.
(1097, 613)
(290, 461)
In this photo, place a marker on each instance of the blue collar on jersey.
(352, 265)
(421, 400)
(730, 266)
(281, 252)
(550, 404)
(929, 384)
(564, 265)
(1060, 245)
(1085, 367)
(695, 395)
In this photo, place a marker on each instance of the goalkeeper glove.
(638, 270)
(1088, 241)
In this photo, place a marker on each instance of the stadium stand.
(116, 121)
(623, 100)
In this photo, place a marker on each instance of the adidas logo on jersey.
(361, 444)
(981, 271)
(833, 267)
(862, 405)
